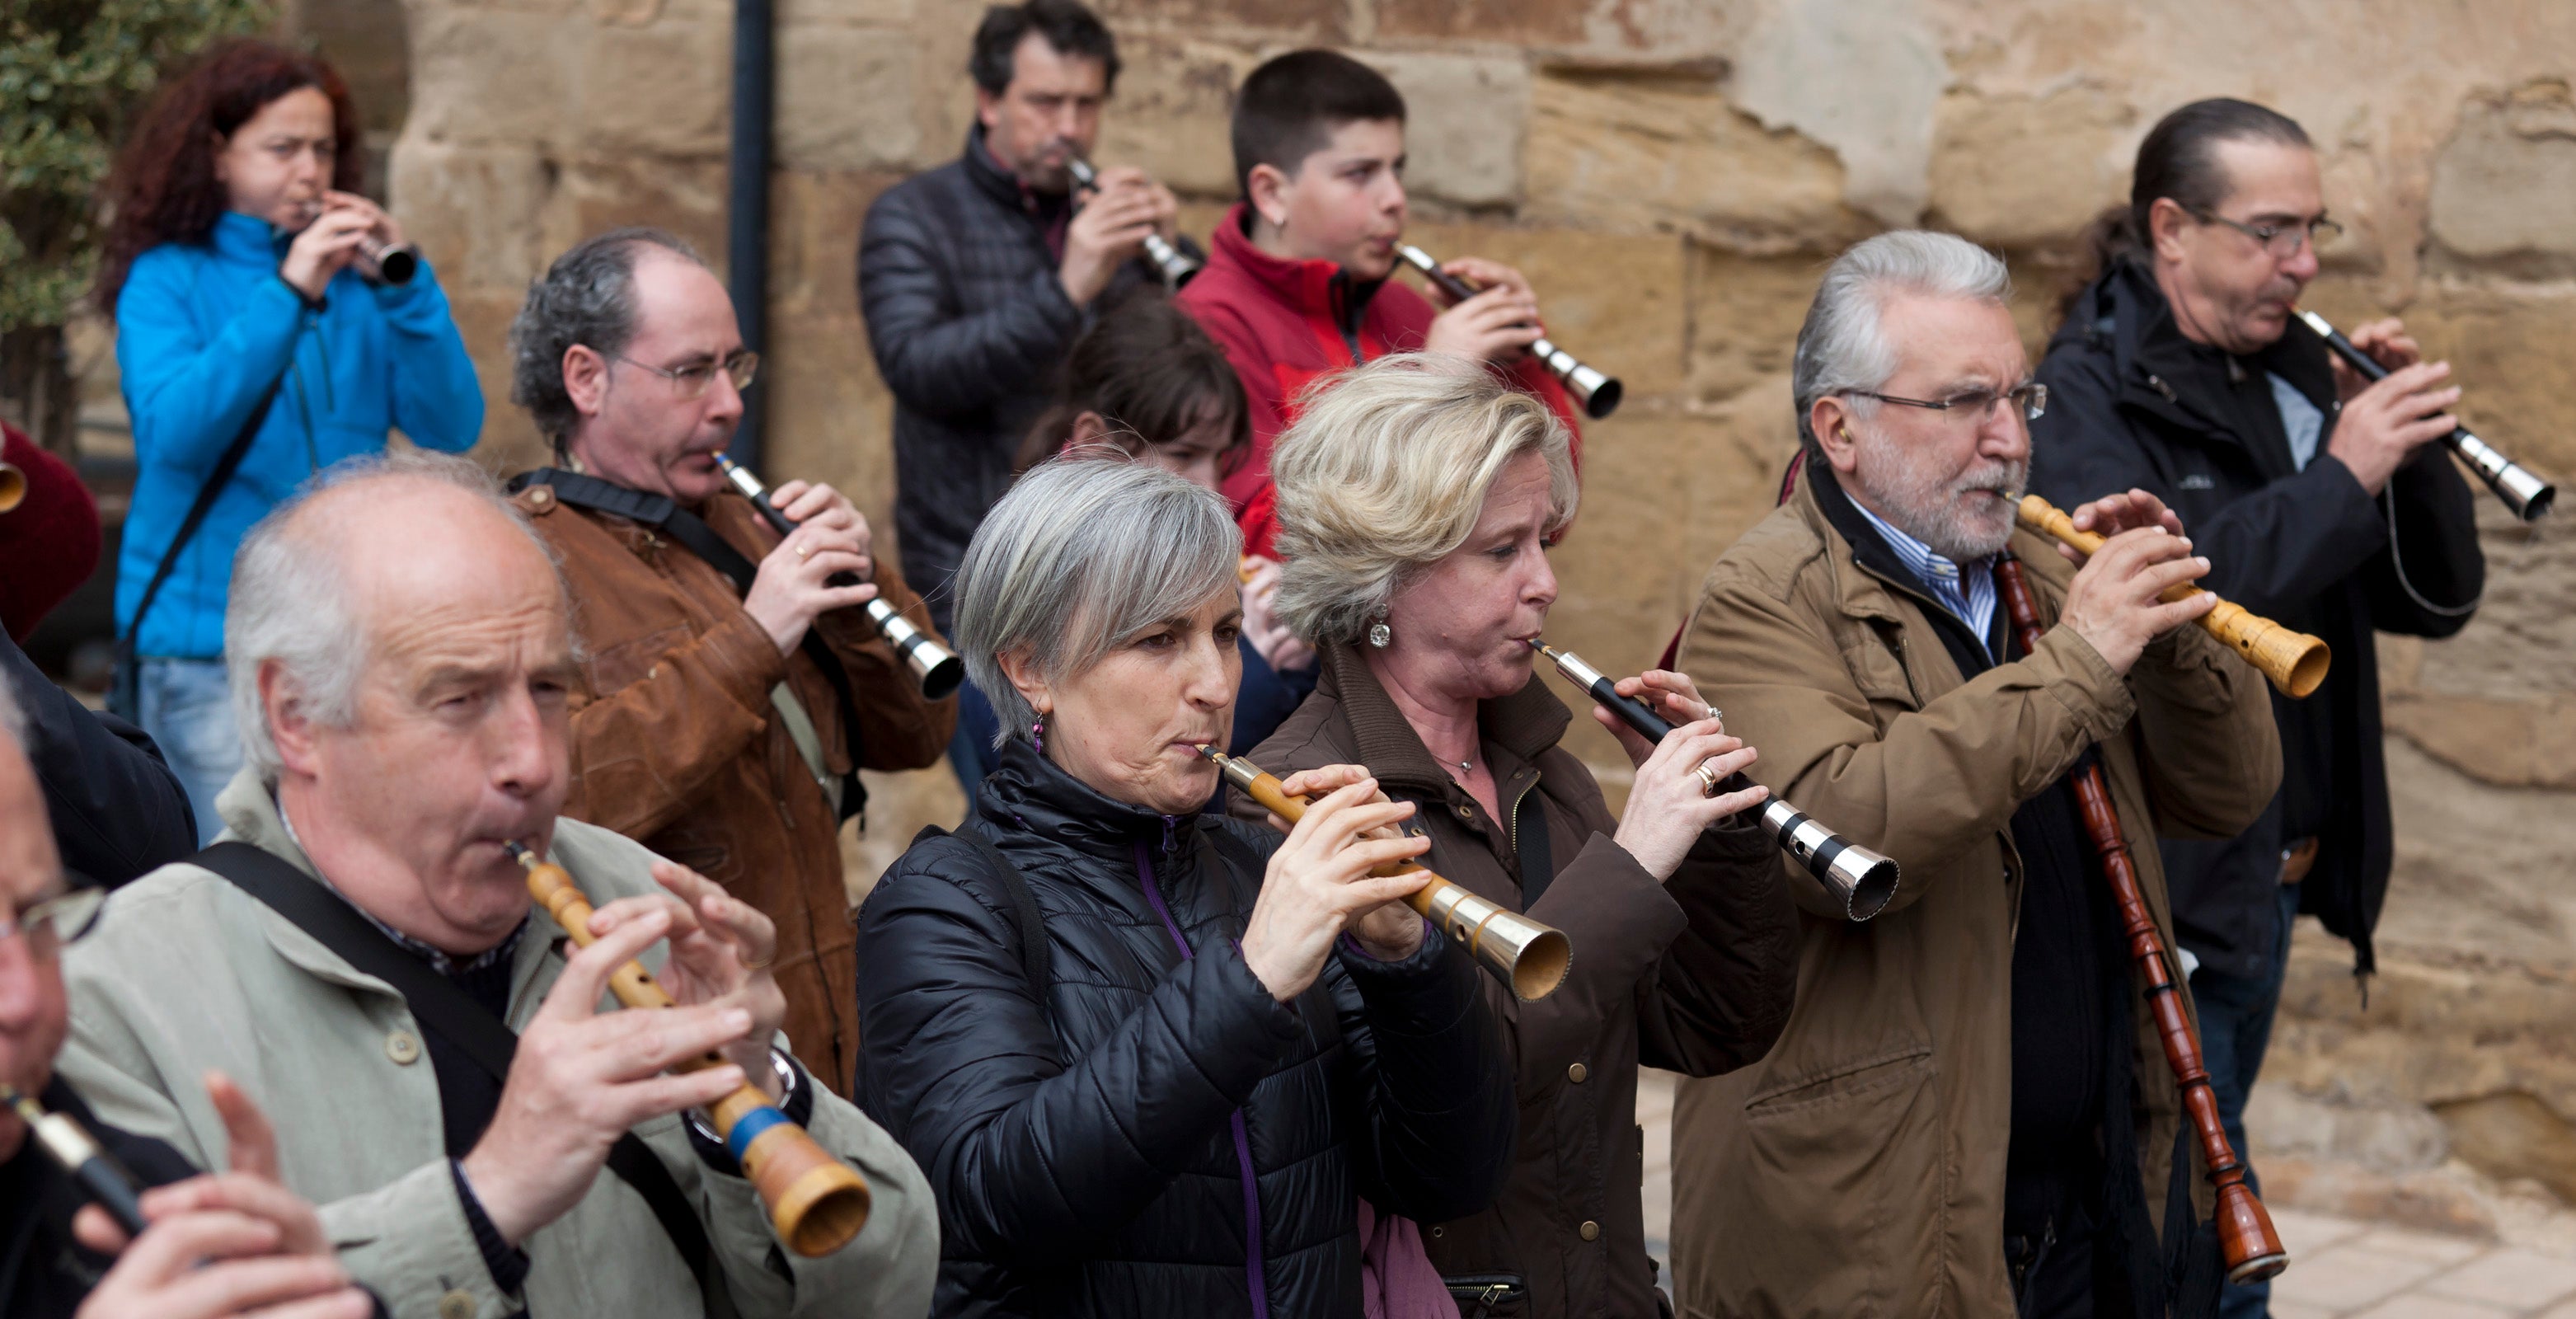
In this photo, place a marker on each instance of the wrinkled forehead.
(1946, 344)
(437, 575)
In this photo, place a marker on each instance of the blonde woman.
(1418, 498)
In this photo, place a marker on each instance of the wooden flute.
(2294, 661)
(2246, 1239)
(1530, 957)
(816, 1202)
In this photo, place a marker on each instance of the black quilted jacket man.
(957, 280)
(1154, 1133)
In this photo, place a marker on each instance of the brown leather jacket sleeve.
(643, 753)
(900, 729)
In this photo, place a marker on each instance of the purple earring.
(1037, 735)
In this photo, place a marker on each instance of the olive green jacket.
(187, 972)
(1858, 1169)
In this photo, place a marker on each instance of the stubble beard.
(1946, 514)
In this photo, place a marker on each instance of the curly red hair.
(164, 189)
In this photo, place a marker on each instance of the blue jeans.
(2235, 1024)
(188, 710)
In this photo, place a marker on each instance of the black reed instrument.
(2522, 491)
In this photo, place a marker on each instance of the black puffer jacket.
(968, 320)
(1112, 1148)
(2131, 402)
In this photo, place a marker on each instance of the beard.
(1959, 515)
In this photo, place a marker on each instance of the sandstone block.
(663, 90)
(2014, 171)
(472, 210)
(594, 195)
(829, 417)
(1282, 23)
(1618, 304)
(1635, 155)
(491, 76)
(814, 221)
(1465, 122)
(798, 14)
(2505, 184)
(1744, 318)
(845, 99)
(1169, 116)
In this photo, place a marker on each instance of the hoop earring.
(1380, 635)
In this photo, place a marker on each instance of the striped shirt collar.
(1967, 592)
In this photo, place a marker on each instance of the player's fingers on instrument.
(648, 1041)
(576, 992)
(1367, 854)
(174, 1245)
(93, 1228)
(247, 1285)
(2164, 618)
(1371, 891)
(624, 910)
(344, 1303)
(1725, 804)
(1363, 817)
(255, 1197)
(653, 1096)
(1322, 778)
(2158, 578)
(754, 936)
(1637, 745)
(250, 1143)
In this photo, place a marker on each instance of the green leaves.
(73, 74)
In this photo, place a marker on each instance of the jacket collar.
(2161, 371)
(1871, 553)
(1314, 288)
(1524, 724)
(1002, 185)
(1027, 792)
(242, 237)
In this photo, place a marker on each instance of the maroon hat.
(49, 542)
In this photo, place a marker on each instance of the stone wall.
(1671, 174)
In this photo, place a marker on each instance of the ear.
(988, 109)
(1089, 428)
(585, 377)
(288, 725)
(223, 168)
(2166, 223)
(1021, 668)
(1267, 188)
(1830, 418)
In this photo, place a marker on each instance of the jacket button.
(459, 1304)
(1439, 1232)
(1466, 812)
(404, 1048)
(541, 497)
(1577, 1073)
(1590, 1231)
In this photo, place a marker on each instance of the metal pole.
(747, 201)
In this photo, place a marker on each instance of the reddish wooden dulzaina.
(2247, 1242)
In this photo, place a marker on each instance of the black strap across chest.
(665, 515)
(442, 1007)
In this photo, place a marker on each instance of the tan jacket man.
(1861, 1167)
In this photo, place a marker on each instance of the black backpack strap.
(222, 476)
(1028, 923)
(444, 1008)
(659, 512)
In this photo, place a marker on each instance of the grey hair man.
(1970, 1081)
(400, 643)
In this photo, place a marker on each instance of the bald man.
(400, 659)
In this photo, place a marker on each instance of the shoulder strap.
(658, 511)
(444, 1008)
(1028, 923)
(207, 494)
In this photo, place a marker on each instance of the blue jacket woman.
(239, 269)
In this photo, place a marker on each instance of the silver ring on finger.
(1707, 772)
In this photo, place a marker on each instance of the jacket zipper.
(1254, 1274)
(1512, 820)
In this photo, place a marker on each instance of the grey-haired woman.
(1152, 1060)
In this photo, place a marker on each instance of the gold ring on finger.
(804, 550)
(1707, 779)
(762, 963)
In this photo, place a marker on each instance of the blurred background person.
(975, 277)
(258, 343)
(1147, 382)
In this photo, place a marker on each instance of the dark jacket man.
(2132, 402)
(1694, 975)
(679, 742)
(44, 1272)
(1150, 1132)
(116, 808)
(968, 319)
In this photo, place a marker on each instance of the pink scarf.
(1396, 1277)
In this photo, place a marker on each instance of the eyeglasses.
(2029, 400)
(692, 381)
(2281, 240)
(55, 921)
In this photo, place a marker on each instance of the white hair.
(1386, 472)
(1844, 346)
(289, 603)
(1083, 555)
(13, 721)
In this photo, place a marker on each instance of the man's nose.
(724, 402)
(523, 764)
(20, 992)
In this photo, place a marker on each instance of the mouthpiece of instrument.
(1530, 957)
(2294, 661)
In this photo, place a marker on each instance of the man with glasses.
(730, 692)
(1966, 1113)
(2320, 499)
(219, 1245)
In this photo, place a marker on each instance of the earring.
(1037, 735)
(1380, 635)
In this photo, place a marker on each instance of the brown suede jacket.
(1693, 974)
(675, 742)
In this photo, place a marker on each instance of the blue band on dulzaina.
(748, 1128)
